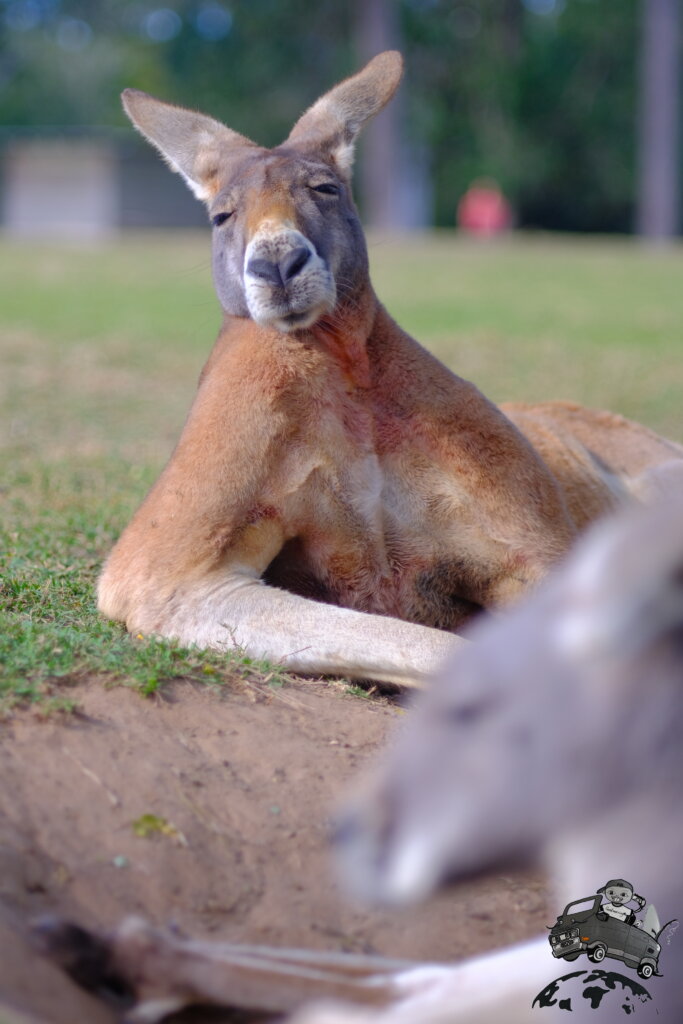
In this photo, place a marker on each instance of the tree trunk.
(393, 175)
(658, 171)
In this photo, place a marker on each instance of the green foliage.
(545, 104)
(267, 41)
(358, 691)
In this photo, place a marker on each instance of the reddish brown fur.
(276, 207)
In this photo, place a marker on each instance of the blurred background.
(568, 109)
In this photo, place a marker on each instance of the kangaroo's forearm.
(242, 614)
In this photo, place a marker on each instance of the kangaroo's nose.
(282, 272)
(294, 262)
(266, 270)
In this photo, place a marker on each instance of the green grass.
(100, 349)
(60, 520)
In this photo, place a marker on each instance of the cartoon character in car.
(620, 893)
(609, 930)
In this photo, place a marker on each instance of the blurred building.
(71, 185)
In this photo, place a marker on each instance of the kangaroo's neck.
(350, 335)
(344, 334)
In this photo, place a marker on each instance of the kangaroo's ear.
(192, 143)
(334, 121)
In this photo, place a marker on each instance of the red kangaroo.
(339, 501)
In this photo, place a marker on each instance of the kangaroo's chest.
(380, 528)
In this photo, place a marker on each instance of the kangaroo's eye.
(220, 218)
(473, 710)
(327, 189)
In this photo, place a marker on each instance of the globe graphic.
(596, 989)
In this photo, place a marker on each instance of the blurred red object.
(484, 210)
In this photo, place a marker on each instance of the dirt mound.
(208, 810)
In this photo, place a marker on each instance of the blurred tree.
(538, 94)
(659, 179)
(377, 29)
(393, 176)
(255, 64)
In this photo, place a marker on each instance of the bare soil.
(242, 782)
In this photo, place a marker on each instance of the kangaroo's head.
(288, 246)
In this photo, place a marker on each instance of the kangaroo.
(339, 501)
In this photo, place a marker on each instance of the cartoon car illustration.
(595, 933)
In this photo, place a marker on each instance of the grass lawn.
(100, 349)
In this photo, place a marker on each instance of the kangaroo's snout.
(292, 264)
(287, 284)
(280, 273)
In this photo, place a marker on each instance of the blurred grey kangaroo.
(338, 500)
(554, 739)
